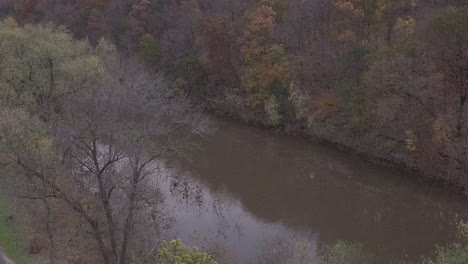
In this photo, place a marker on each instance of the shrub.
(343, 252)
(175, 252)
(456, 253)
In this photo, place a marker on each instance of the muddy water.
(246, 186)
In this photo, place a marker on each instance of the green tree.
(40, 64)
(149, 49)
(175, 252)
(190, 77)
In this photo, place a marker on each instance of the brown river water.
(245, 186)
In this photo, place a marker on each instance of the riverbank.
(4, 259)
(364, 144)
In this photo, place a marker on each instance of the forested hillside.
(387, 78)
(105, 150)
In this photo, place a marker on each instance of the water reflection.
(246, 185)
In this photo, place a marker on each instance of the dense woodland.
(93, 91)
(388, 79)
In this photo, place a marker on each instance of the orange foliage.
(264, 63)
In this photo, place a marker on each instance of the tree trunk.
(50, 235)
(461, 109)
(130, 213)
(105, 203)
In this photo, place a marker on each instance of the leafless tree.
(99, 157)
(306, 23)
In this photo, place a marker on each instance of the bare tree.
(98, 157)
(449, 38)
(306, 23)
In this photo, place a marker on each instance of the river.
(245, 187)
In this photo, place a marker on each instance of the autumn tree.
(138, 21)
(398, 16)
(97, 26)
(219, 54)
(357, 20)
(265, 65)
(360, 20)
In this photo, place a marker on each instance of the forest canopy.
(92, 92)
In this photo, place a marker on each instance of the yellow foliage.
(348, 36)
(462, 229)
(440, 134)
(348, 7)
(180, 84)
(405, 26)
(10, 22)
(410, 140)
(364, 17)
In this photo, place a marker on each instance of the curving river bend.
(246, 186)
